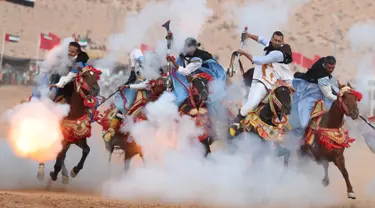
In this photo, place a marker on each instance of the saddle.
(330, 138)
(199, 89)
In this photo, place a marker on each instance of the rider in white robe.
(269, 68)
(311, 86)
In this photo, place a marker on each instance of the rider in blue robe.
(311, 86)
(194, 61)
(136, 62)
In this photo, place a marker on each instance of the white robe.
(268, 70)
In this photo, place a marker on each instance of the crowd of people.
(11, 77)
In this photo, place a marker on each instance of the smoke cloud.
(176, 171)
(262, 18)
(145, 26)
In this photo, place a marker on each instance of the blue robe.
(211, 67)
(304, 101)
(130, 95)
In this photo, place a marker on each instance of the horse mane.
(67, 91)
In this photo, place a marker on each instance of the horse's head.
(280, 100)
(87, 82)
(347, 100)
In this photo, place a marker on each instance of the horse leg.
(340, 163)
(40, 174)
(206, 144)
(59, 161)
(325, 180)
(281, 151)
(85, 152)
(131, 149)
(64, 173)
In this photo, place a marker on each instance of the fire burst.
(35, 131)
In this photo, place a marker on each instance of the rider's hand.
(52, 86)
(123, 87)
(241, 52)
(170, 58)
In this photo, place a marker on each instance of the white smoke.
(145, 26)
(176, 171)
(361, 41)
(262, 18)
(56, 61)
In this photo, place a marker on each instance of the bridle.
(81, 85)
(342, 105)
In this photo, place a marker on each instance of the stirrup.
(107, 136)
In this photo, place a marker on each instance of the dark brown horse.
(263, 121)
(325, 140)
(76, 126)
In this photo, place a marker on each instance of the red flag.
(55, 39)
(297, 58)
(48, 41)
(306, 62)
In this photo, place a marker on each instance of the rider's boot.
(111, 130)
(236, 124)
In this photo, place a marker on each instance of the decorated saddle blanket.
(330, 138)
(76, 129)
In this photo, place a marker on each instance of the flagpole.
(2, 52)
(37, 55)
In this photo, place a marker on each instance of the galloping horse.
(123, 141)
(263, 120)
(325, 140)
(76, 127)
(196, 107)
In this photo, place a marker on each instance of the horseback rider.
(270, 67)
(79, 60)
(311, 86)
(136, 60)
(193, 61)
(125, 98)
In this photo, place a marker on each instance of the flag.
(48, 41)
(55, 39)
(28, 3)
(297, 58)
(12, 38)
(83, 42)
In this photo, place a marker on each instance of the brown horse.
(110, 119)
(76, 126)
(325, 140)
(194, 107)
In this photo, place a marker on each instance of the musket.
(169, 38)
(243, 38)
(365, 120)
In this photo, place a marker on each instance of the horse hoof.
(74, 172)
(40, 174)
(53, 176)
(325, 182)
(65, 179)
(351, 195)
(232, 131)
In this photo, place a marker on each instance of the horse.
(325, 140)
(263, 120)
(123, 141)
(196, 107)
(76, 126)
